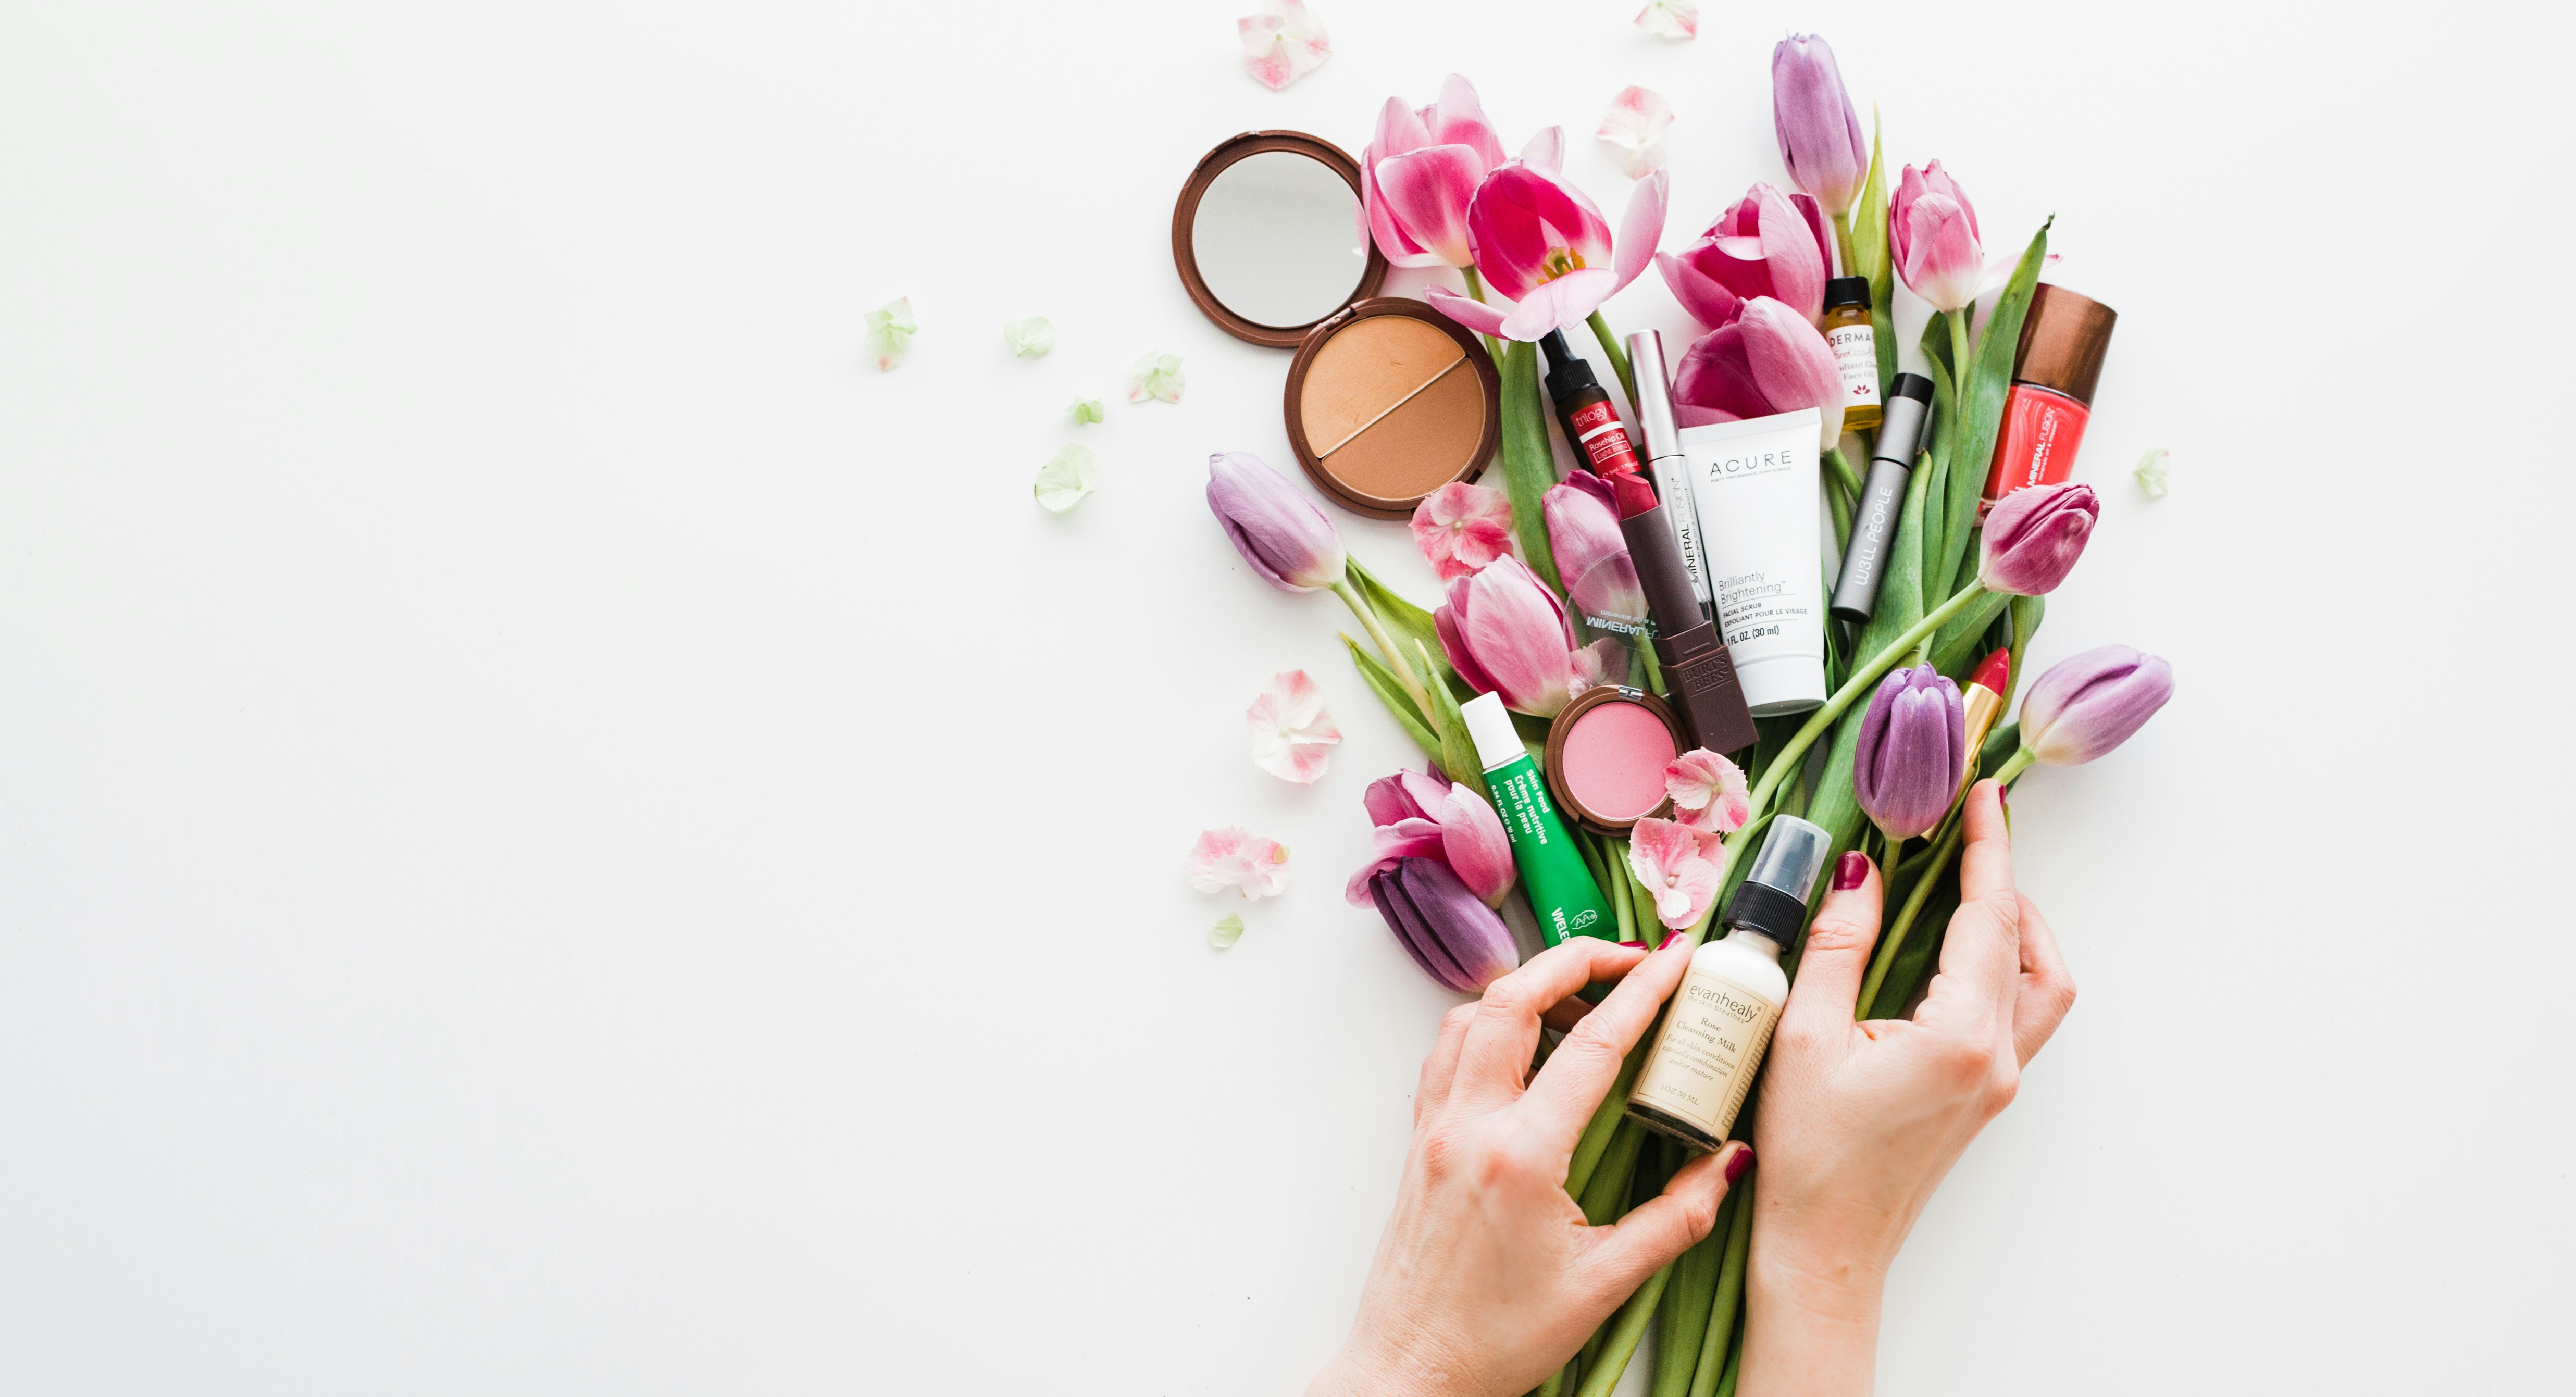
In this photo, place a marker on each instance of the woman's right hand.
(1859, 1121)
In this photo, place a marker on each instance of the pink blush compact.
(1606, 755)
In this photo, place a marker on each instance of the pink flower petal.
(1472, 841)
(1461, 528)
(1670, 19)
(1466, 310)
(1635, 125)
(1236, 858)
(1678, 865)
(1427, 192)
(1546, 151)
(1292, 736)
(1708, 791)
(1283, 43)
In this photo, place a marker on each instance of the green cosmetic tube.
(1560, 887)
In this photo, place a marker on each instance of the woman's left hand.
(1487, 1279)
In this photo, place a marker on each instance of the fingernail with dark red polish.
(1669, 938)
(1633, 945)
(1850, 872)
(1735, 1167)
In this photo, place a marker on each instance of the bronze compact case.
(1387, 399)
(1606, 754)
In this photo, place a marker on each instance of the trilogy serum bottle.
(1720, 1020)
(2054, 372)
(1592, 425)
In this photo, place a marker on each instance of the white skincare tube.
(1761, 524)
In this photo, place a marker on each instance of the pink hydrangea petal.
(1235, 858)
(1283, 43)
(1292, 736)
(1708, 791)
(1677, 864)
(1462, 528)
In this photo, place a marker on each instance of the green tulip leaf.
(1382, 682)
(1529, 463)
(1988, 377)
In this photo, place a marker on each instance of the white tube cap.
(1782, 684)
(1489, 726)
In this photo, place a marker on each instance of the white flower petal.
(1071, 474)
(1155, 376)
(1283, 43)
(2151, 473)
(890, 332)
(1086, 409)
(1635, 125)
(1670, 19)
(1029, 337)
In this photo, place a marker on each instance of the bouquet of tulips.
(1884, 764)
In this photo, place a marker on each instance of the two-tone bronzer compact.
(1388, 399)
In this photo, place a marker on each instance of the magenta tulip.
(1913, 753)
(1766, 360)
(1932, 237)
(1422, 814)
(1770, 244)
(1592, 555)
(1505, 633)
(1421, 171)
(2085, 706)
(1454, 937)
(1279, 532)
(1820, 135)
(2034, 535)
(1541, 245)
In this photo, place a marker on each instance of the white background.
(560, 834)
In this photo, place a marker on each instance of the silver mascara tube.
(1664, 461)
(1891, 461)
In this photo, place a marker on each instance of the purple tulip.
(1767, 360)
(1913, 752)
(2034, 535)
(1456, 939)
(1820, 136)
(1772, 244)
(2085, 706)
(1278, 531)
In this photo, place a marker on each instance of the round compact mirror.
(1269, 239)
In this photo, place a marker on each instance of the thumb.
(1665, 1226)
(1821, 1005)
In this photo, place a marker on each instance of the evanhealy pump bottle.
(1560, 888)
(1720, 1020)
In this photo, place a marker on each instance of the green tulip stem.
(1476, 288)
(1618, 358)
(1395, 660)
(1716, 1340)
(1959, 393)
(1941, 854)
(1844, 475)
(1625, 1335)
(1843, 238)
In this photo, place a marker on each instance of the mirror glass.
(1277, 239)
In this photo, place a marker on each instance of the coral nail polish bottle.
(2063, 340)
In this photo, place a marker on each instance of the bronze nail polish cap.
(2063, 340)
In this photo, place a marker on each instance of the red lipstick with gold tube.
(1984, 698)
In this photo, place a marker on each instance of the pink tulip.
(1771, 244)
(2034, 535)
(1591, 553)
(1421, 171)
(1820, 135)
(1932, 234)
(1422, 814)
(1766, 360)
(1461, 528)
(1678, 866)
(1505, 633)
(1279, 532)
(1542, 245)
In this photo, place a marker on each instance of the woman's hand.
(1487, 1279)
(1859, 1121)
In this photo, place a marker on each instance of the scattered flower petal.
(1227, 931)
(1678, 865)
(2151, 473)
(1065, 479)
(890, 332)
(1461, 527)
(1283, 43)
(1029, 337)
(1086, 410)
(1292, 736)
(1635, 124)
(1155, 376)
(1708, 792)
(1237, 858)
(1670, 19)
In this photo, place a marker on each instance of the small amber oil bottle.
(1855, 346)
